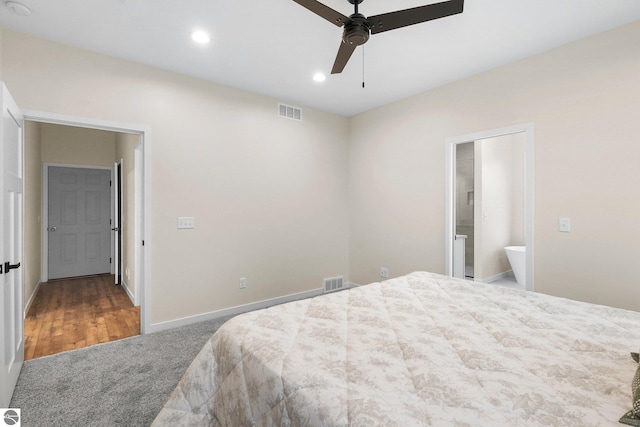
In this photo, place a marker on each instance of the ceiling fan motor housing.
(356, 30)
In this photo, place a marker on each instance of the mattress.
(422, 349)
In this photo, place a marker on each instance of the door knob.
(8, 266)
(53, 228)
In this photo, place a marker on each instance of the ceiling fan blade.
(344, 53)
(335, 17)
(416, 15)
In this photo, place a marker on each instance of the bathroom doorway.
(464, 209)
(489, 205)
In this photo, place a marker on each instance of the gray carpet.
(122, 383)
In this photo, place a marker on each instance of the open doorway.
(465, 201)
(489, 206)
(70, 160)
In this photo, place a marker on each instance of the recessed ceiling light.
(319, 77)
(200, 37)
(18, 8)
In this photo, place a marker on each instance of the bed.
(422, 349)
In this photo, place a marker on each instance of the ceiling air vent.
(289, 112)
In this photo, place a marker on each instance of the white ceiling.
(275, 47)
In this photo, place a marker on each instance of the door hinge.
(110, 259)
(143, 243)
(109, 183)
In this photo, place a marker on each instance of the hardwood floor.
(73, 313)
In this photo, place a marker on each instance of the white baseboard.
(497, 277)
(31, 298)
(155, 327)
(128, 291)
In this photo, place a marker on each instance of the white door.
(79, 222)
(11, 236)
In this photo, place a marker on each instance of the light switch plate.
(186, 222)
(564, 225)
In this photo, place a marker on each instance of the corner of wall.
(1, 38)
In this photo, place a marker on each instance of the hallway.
(79, 312)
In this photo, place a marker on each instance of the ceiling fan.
(357, 27)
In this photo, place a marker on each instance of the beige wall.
(268, 194)
(32, 209)
(78, 146)
(518, 171)
(1, 55)
(584, 101)
(125, 147)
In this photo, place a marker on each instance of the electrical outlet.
(243, 283)
(384, 272)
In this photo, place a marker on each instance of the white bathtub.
(518, 259)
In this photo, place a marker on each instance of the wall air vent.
(289, 112)
(333, 284)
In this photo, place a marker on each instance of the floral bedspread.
(422, 349)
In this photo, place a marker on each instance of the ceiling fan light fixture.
(356, 31)
(200, 37)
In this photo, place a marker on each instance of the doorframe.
(45, 212)
(142, 254)
(450, 159)
(138, 232)
(116, 206)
